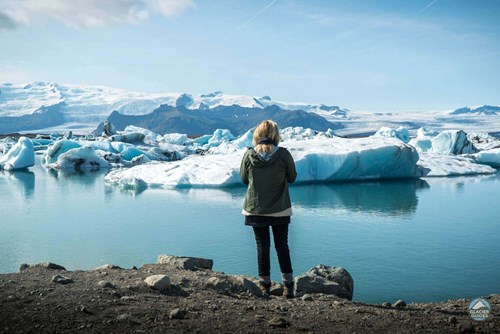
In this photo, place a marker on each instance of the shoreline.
(112, 299)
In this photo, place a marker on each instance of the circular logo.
(479, 309)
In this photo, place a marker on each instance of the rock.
(61, 279)
(325, 279)
(466, 328)
(108, 267)
(177, 314)
(276, 290)
(158, 282)
(452, 320)
(127, 318)
(44, 265)
(189, 263)
(127, 298)
(235, 284)
(85, 310)
(307, 297)
(106, 284)
(278, 322)
(400, 304)
(386, 305)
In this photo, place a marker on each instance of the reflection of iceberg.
(84, 177)
(388, 198)
(25, 179)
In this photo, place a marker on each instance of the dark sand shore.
(118, 301)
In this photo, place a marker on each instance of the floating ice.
(400, 133)
(451, 165)
(318, 159)
(79, 158)
(56, 149)
(175, 138)
(452, 142)
(19, 156)
(148, 134)
(489, 157)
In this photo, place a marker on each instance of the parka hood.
(257, 161)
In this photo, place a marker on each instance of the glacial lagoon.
(419, 240)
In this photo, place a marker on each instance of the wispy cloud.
(428, 5)
(87, 13)
(241, 26)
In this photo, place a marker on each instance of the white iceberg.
(451, 165)
(79, 158)
(452, 142)
(488, 157)
(19, 156)
(57, 148)
(174, 138)
(318, 159)
(148, 134)
(400, 133)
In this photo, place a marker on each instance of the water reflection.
(25, 180)
(87, 177)
(385, 197)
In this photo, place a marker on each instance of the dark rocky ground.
(118, 301)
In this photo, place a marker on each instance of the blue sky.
(362, 55)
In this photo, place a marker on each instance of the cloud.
(87, 13)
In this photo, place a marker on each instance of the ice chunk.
(489, 157)
(400, 133)
(451, 165)
(131, 137)
(219, 136)
(483, 141)
(148, 134)
(318, 159)
(452, 142)
(19, 156)
(56, 149)
(80, 158)
(175, 138)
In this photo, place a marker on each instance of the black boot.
(265, 287)
(288, 292)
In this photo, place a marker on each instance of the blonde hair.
(268, 132)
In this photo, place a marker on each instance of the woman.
(267, 169)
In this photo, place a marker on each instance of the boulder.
(108, 267)
(328, 280)
(61, 279)
(189, 263)
(44, 265)
(158, 282)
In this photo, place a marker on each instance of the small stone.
(177, 314)
(61, 279)
(128, 318)
(400, 304)
(276, 290)
(85, 309)
(108, 267)
(466, 328)
(259, 316)
(452, 320)
(278, 322)
(134, 268)
(419, 326)
(158, 282)
(307, 297)
(106, 284)
(386, 304)
(127, 298)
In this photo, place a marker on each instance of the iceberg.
(317, 159)
(451, 165)
(488, 157)
(19, 156)
(452, 142)
(400, 133)
(79, 158)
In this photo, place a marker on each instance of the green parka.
(267, 181)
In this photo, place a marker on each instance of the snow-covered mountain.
(84, 107)
(43, 107)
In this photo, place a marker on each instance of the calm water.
(416, 240)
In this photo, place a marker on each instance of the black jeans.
(262, 237)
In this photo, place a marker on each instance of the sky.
(365, 55)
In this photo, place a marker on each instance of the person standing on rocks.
(267, 169)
